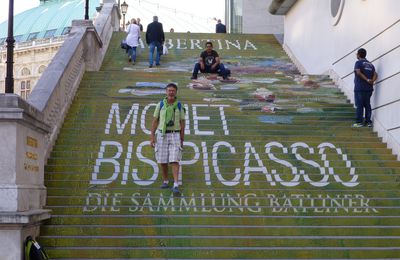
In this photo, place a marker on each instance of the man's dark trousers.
(363, 101)
(220, 69)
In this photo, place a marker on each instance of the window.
(236, 16)
(50, 33)
(25, 72)
(66, 30)
(17, 38)
(2, 41)
(336, 10)
(41, 69)
(32, 36)
(25, 89)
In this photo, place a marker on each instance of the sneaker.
(193, 77)
(150, 66)
(175, 191)
(357, 125)
(164, 186)
(369, 124)
(157, 64)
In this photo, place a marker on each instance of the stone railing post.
(22, 191)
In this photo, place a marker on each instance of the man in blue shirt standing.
(364, 78)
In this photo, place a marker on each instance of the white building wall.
(258, 20)
(321, 47)
(308, 34)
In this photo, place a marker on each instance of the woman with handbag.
(132, 39)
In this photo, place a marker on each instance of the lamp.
(9, 87)
(124, 9)
(87, 10)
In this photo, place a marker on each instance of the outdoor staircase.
(271, 167)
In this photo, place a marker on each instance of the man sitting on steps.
(210, 62)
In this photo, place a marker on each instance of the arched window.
(25, 72)
(41, 69)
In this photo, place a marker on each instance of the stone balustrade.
(28, 129)
(83, 50)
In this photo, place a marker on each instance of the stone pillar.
(22, 190)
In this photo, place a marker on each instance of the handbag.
(124, 45)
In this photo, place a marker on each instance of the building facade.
(251, 17)
(30, 60)
(38, 33)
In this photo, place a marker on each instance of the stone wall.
(325, 41)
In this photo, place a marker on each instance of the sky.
(182, 15)
(19, 6)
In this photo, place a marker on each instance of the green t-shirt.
(179, 115)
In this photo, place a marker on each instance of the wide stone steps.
(88, 133)
(218, 228)
(340, 142)
(162, 252)
(379, 171)
(357, 154)
(81, 191)
(278, 208)
(122, 198)
(223, 241)
(280, 174)
(209, 219)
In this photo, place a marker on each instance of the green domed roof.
(51, 18)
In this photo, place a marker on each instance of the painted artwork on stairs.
(271, 168)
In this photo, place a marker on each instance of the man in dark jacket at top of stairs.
(155, 39)
(220, 27)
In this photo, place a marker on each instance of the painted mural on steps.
(247, 148)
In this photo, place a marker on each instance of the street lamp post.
(87, 10)
(10, 49)
(124, 9)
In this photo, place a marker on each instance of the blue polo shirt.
(366, 68)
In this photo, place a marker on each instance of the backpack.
(33, 251)
(179, 105)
